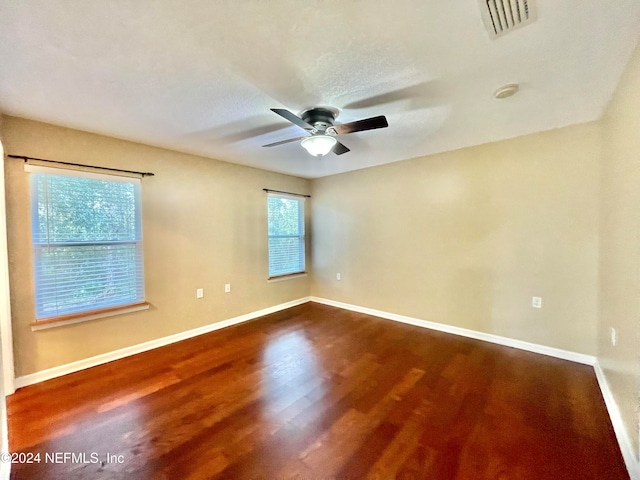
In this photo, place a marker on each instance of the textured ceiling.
(201, 76)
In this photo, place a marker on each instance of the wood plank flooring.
(318, 392)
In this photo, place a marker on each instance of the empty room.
(320, 240)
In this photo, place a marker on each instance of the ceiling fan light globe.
(318, 145)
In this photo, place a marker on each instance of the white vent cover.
(502, 16)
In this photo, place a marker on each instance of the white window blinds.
(87, 242)
(286, 234)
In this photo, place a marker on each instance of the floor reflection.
(290, 371)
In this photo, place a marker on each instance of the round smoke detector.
(506, 91)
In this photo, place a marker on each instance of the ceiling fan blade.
(292, 118)
(339, 149)
(282, 142)
(361, 125)
(239, 133)
(421, 95)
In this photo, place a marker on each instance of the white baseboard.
(54, 372)
(160, 342)
(464, 332)
(626, 447)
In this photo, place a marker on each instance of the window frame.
(302, 237)
(91, 312)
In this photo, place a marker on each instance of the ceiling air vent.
(502, 16)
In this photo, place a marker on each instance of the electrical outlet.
(227, 287)
(536, 302)
(337, 276)
(614, 337)
(200, 293)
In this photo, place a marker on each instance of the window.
(286, 234)
(87, 242)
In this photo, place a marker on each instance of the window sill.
(87, 316)
(290, 276)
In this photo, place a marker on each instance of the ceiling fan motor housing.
(320, 118)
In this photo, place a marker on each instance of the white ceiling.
(200, 76)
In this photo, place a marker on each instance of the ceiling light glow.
(318, 145)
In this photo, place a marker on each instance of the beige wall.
(620, 245)
(204, 225)
(467, 237)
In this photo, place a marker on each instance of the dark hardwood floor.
(318, 392)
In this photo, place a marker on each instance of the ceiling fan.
(319, 123)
